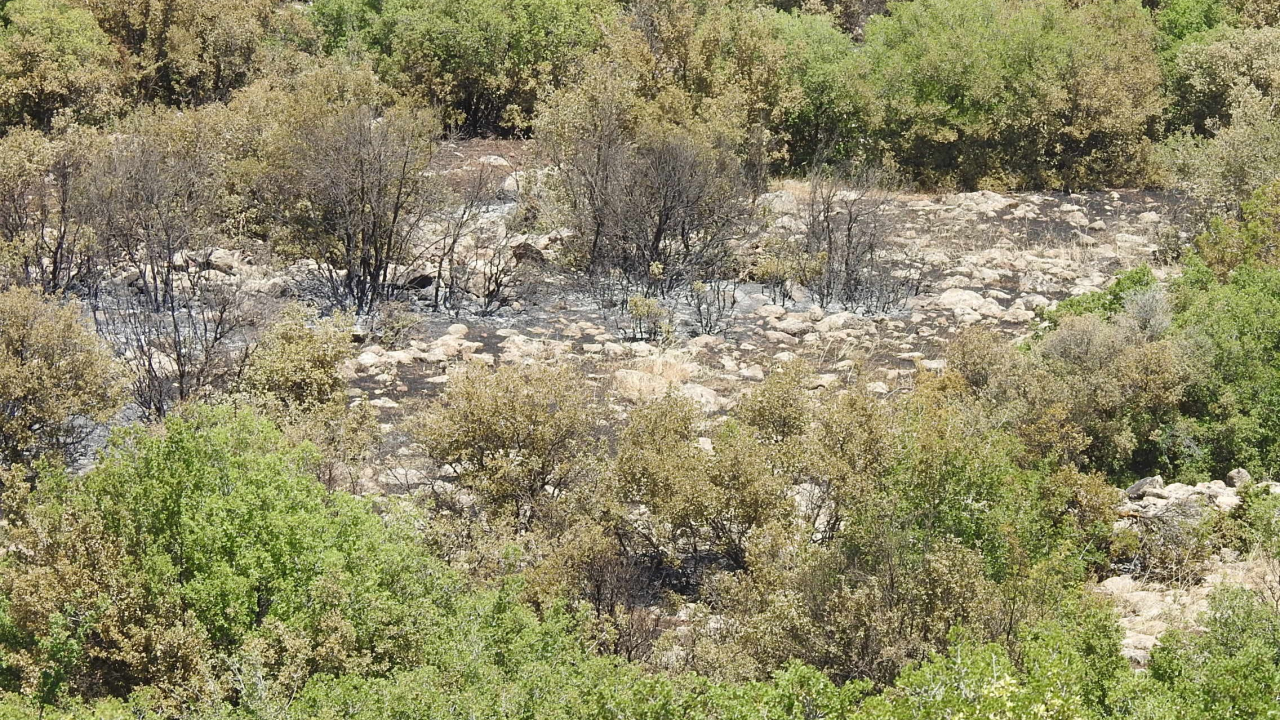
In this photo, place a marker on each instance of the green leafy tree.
(56, 61)
(487, 62)
(1005, 93)
(188, 51)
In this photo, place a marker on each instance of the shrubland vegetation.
(872, 558)
(810, 553)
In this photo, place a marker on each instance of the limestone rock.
(964, 302)
(1238, 477)
(702, 396)
(1140, 488)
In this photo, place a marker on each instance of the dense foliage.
(808, 550)
(988, 92)
(965, 92)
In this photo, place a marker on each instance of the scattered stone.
(1140, 488)
(527, 254)
(702, 396)
(224, 261)
(509, 190)
(1238, 477)
(369, 358)
(1077, 218)
(824, 381)
(781, 338)
(780, 203)
(834, 322)
(1227, 502)
(795, 325)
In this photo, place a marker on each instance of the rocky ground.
(981, 258)
(1148, 609)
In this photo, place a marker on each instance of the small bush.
(1106, 395)
(778, 409)
(519, 437)
(57, 377)
(1107, 303)
(295, 363)
(293, 377)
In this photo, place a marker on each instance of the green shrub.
(293, 377)
(1230, 671)
(201, 544)
(1235, 327)
(1138, 380)
(700, 502)
(485, 62)
(779, 408)
(1100, 394)
(1003, 93)
(834, 114)
(1250, 239)
(1107, 303)
(1208, 72)
(295, 363)
(1064, 671)
(1181, 19)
